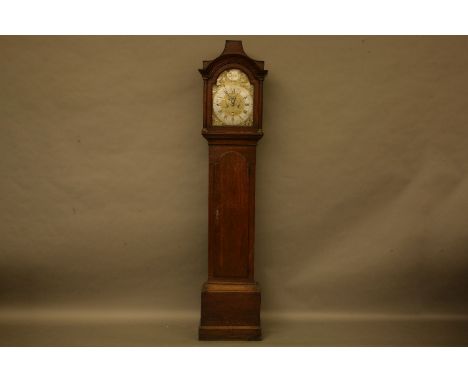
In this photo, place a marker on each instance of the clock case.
(230, 298)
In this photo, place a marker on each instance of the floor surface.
(277, 331)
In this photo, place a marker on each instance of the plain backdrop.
(362, 175)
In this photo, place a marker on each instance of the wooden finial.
(233, 47)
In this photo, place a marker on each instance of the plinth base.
(226, 333)
(230, 311)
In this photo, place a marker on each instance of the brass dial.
(233, 99)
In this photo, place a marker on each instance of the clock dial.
(233, 99)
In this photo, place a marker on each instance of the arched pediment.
(234, 56)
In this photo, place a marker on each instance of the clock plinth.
(230, 299)
(230, 311)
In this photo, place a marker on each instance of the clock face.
(233, 99)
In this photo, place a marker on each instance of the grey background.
(362, 182)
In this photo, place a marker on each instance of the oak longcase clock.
(232, 124)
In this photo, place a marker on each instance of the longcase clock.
(232, 125)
